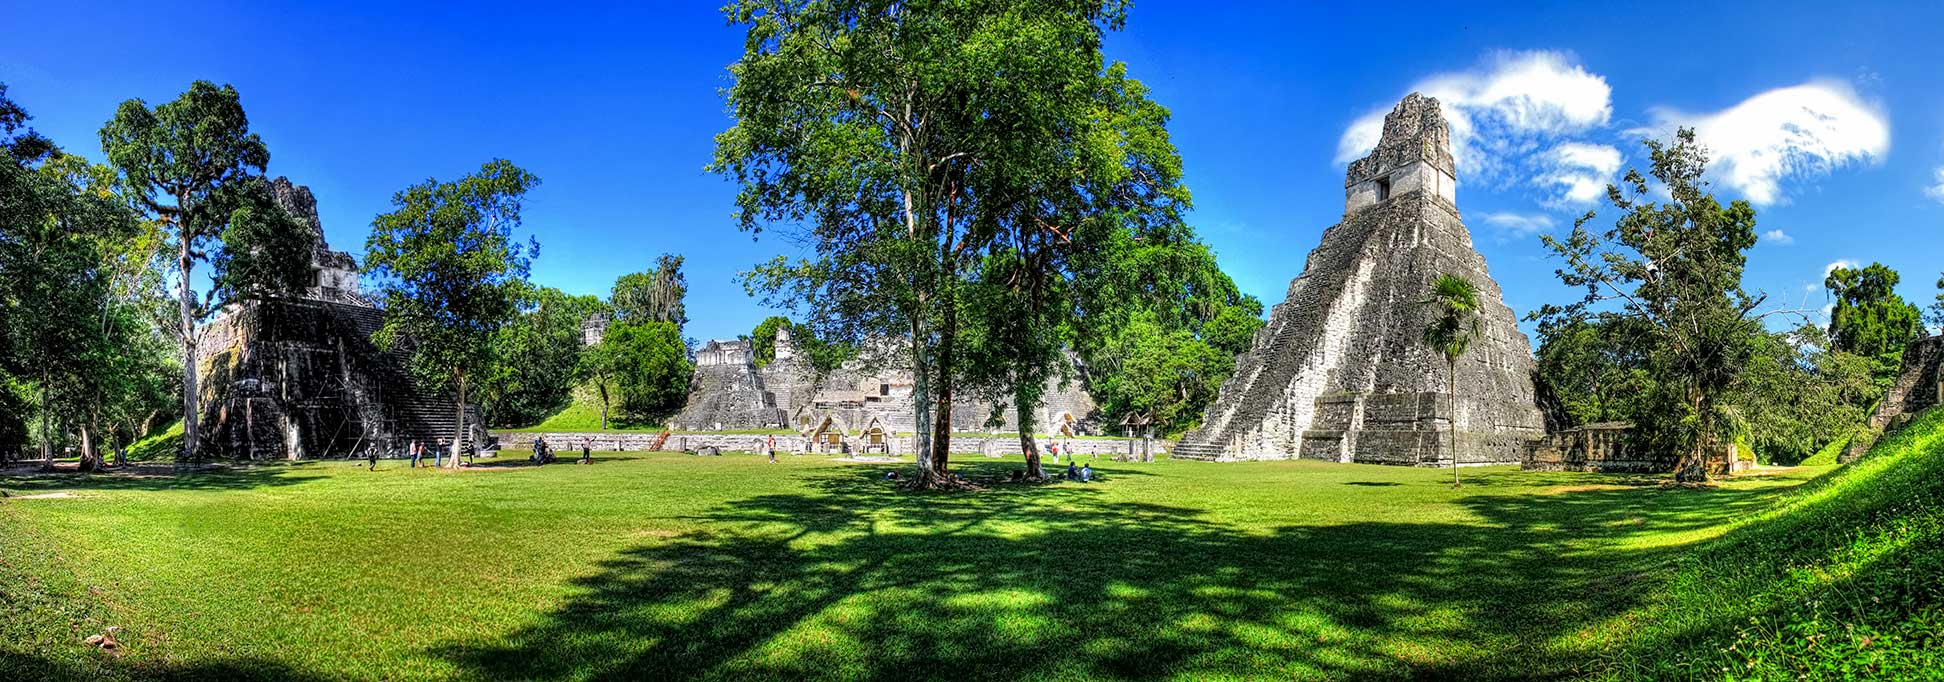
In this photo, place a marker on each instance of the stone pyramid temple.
(1340, 372)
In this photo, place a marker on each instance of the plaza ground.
(670, 566)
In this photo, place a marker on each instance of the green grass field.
(666, 566)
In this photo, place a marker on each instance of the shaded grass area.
(665, 566)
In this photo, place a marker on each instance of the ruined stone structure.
(1920, 386)
(300, 377)
(1340, 372)
(866, 402)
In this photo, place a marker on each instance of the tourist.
(1054, 447)
(1086, 473)
(587, 451)
(371, 455)
(771, 447)
(438, 456)
(1073, 471)
(415, 453)
(891, 475)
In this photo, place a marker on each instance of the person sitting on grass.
(891, 475)
(1073, 471)
(1086, 473)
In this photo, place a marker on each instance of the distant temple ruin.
(1340, 372)
(867, 399)
(298, 377)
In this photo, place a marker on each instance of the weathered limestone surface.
(1340, 372)
(1920, 386)
(873, 391)
(300, 377)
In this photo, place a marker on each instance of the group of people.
(543, 452)
(416, 454)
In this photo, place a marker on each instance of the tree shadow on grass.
(860, 580)
(94, 666)
(221, 477)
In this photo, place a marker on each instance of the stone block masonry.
(1340, 371)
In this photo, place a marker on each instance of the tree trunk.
(1451, 386)
(47, 424)
(459, 426)
(602, 388)
(920, 396)
(947, 337)
(88, 461)
(1027, 444)
(1693, 464)
(187, 302)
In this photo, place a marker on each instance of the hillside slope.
(1843, 579)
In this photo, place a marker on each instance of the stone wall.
(1920, 386)
(1340, 372)
(991, 446)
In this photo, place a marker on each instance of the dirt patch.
(1564, 489)
(42, 496)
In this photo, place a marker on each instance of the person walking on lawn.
(771, 447)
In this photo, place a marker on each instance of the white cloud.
(1845, 263)
(1778, 238)
(1937, 191)
(1518, 225)
(1795, 132)
(1579, 171)
(1505, 105)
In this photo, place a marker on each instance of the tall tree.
(1675, 269)
(537, 357)
(1870, 319)
(1454, 325)
(652, 296)
(196, 169)
(887, 132)
(651, 368)
(451, 275)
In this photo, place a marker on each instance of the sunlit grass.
(665, 566)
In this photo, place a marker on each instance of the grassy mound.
(1839, 580)
(584, 414)
(160, 446)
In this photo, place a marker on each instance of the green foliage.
(584, 414)
(1596, 368)
(1797, 395)
(537, 357)
(1456, 321)
(1160, 327)
(1870, 319)
(654, 295)
(1937, 309)
(450, 274)
(1674, 270)
(651, 368)
(909, 144)
(824, 356)
(74, 334)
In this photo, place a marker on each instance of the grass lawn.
(668, 566)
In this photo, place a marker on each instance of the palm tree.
(1451, 333)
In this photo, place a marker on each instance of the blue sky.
(1832, 120)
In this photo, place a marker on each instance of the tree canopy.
(451, 275)
(1673, 269)
(1870, 319)
(193, 166)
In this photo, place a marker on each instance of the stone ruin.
(1340, 372)
(866, 400)
(1919, 387)
(299, 377)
